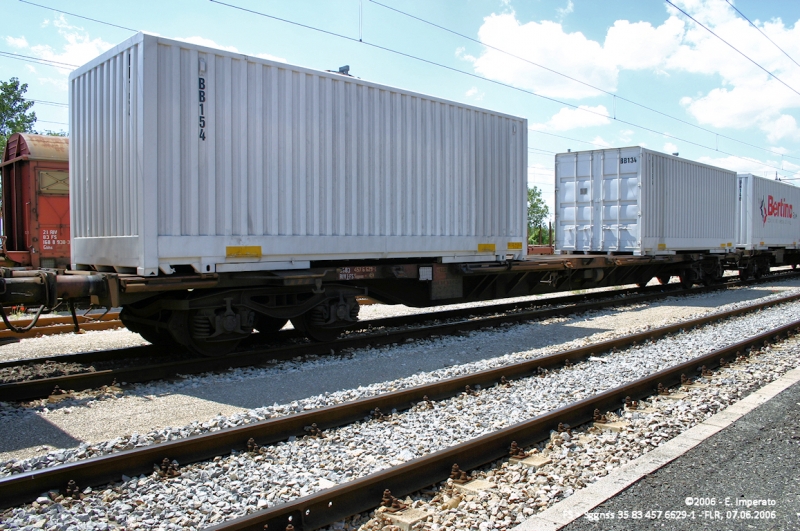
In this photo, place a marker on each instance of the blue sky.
(637, 58)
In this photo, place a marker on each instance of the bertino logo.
(777, 209)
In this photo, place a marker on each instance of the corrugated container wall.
(634, 200)
(189, 155)
(767, 214)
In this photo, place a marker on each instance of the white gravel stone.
(234, 485)
(161, 405)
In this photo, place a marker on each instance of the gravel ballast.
(93, 417)
(207, 493)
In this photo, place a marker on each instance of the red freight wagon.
(35, 196)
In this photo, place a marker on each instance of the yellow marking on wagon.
(515, 245)
(485, 247)
(243, 251)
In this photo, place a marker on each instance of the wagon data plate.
(357, 273)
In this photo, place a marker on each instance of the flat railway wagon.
(216, 194)
(35, 193)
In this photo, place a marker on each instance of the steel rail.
(330, 505)
(57, 329)
(19, 488)
(61, 324)
(43, 387)
(64, 319)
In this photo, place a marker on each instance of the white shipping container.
(187, 155)
(634, 200)
(767, 214)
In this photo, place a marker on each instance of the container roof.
(35, 147)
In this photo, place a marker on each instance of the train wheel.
(308, 325)
(687, 281)
(758, 268)
(149, 333)
(713, 275)
(155, 336)
(203, 338)
(663, 279)
(746, 273)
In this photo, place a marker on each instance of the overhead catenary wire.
(78, 16)
(360, 40)
(543, 151)
(762, 33)
(39, 60)
(569, 138)
(733, 47)
(493, 81)
(584, 83)
(54, 103)
(632, 124)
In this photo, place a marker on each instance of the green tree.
(537, 214)
(14, 115)
(48, 132)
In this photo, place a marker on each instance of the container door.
(571, 194)
(618, 200)
(53, 216)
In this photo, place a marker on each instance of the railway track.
(335, 503)
(379, 332)
(49, 326)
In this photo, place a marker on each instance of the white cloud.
(784, 126)
(209, 43)
(745, 96)
(626, 135)
(30, 68)
(547, 44)
(627, 46)
(765, 168)
(670, 148)
(78, 49)
(461, 54)
(567, 118)
(741, 165)
(747, 105)
(270, 57)
(564, 11)
(17, 42)
(61, 83)
(202, 41)
(638, 45)
(474, 94)
(598, 141)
